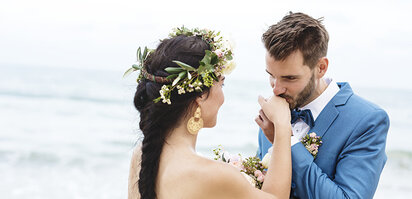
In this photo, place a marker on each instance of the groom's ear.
(322, 67)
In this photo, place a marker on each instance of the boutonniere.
(312, 143)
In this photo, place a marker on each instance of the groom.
(351, 158)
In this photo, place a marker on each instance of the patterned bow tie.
(305, 115)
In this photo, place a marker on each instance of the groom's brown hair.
(297, 31)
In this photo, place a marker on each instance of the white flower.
(164, 87)
(312, 135)
(181, 90)
(266, 160)
(219, 53)
(229, 68)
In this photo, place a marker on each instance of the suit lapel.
(330, 112)
(325, 119)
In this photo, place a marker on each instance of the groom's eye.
(290, 77)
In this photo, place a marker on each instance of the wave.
(65, 97)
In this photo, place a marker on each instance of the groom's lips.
(287, 98)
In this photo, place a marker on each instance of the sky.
(370, 41)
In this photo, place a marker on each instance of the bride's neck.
(181, 138)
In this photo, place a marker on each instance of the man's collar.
(317, 105)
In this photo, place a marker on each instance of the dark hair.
(158, 119)
(297, 31)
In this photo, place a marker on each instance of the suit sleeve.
(264, 145)
(358, 168)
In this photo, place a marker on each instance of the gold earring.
(195, 123)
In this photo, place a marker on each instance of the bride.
(180, 91)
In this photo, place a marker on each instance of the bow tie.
(305, 115)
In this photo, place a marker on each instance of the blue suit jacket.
(352, 156)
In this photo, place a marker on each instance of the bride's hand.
(276, 110)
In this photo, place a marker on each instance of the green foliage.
(187, 78)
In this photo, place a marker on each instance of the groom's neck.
(321, 86)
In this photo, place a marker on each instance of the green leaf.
(157, 99)
(170, 77)
(137, 67)
(184, 66)
(173, 70)
(214, 76)
(181, 76)
(229, 57)
(205, 69)
(176, 80)
(139, 54)
(130, 70)
(206, 59)
(214, 59)
(145, 53)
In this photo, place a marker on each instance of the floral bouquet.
(252, 168)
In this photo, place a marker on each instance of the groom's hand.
(266, 125)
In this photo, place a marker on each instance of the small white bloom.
(181, 91)
(219, 53)
(249, 179)
(266, 160)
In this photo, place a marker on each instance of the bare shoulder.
(220, 180)
(133, 188)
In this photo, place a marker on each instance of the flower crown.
(185, 78)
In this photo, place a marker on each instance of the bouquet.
(252, 168)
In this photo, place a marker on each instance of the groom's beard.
(303, 96)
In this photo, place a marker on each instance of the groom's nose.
(278, 88)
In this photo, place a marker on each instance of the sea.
(70, 132)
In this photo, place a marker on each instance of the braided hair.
(157, 120)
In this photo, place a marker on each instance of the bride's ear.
(201, 99)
